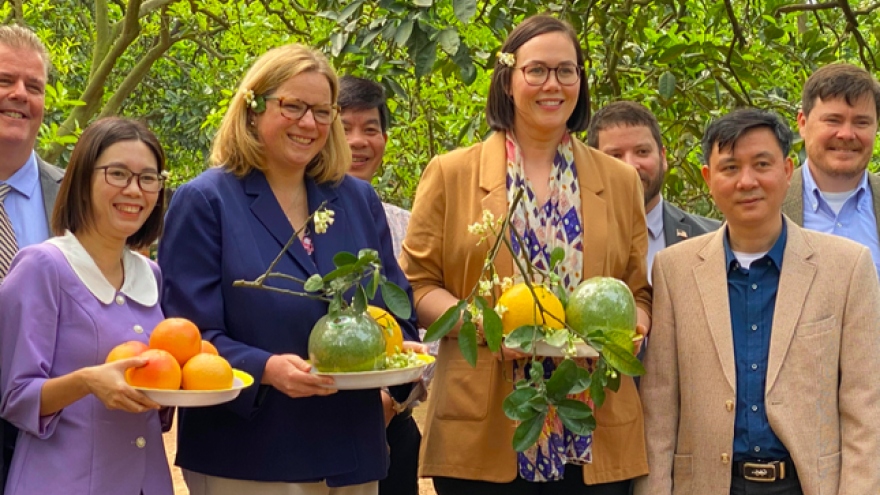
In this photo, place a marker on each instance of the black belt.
(765, 471)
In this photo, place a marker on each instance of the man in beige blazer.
(764, 348)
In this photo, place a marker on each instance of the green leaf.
(623, 359)
(562, 380)
(401, 36)
(583, 381)
(574, 409)
(580, 426)
(443, 325)
(467, 342)
(425, 57)
(314, 283)
(423, 3)
(367, 256)
(597, 383)
(343, 258)
(672, 53)
(492, 328)
(464, 9)
(449, 41)
(556, 256)
(360, 300)
(522, 337)
(516, 405)
(340, 272)
(557, 338)
(667, 85)
(374, 284)
(396, 300)
(348, 11)
(527, 432)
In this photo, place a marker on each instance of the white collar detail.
(140, 282)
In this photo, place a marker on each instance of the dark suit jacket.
(679, 225)
(793, 206)
(50, 181)
(221, 228)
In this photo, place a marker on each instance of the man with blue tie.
(28, 185)
(833, 192)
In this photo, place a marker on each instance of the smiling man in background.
(833, 192)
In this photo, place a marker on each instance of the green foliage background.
(175, 63)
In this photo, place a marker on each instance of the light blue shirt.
(855, 221)
(24, 205)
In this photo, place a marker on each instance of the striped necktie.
(8, 244)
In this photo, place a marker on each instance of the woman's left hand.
(416, 347)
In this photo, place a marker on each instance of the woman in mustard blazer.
(578, 199)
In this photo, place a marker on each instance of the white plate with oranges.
(182, 370)
(360, 380)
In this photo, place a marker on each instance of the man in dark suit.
(28, 185)
(834, 192)
(630, 132)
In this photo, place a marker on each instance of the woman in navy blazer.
(279, 154)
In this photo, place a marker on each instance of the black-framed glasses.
(295, 109)
(119, 176)
(537, 74)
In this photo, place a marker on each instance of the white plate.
(360, 380)
(200, 398)
(583, 349)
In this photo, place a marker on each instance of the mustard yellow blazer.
(467, 434)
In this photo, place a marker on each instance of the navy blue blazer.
(220, 228)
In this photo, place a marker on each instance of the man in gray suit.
(630, 132)
(29, 184)
(834, 192)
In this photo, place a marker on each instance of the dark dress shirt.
(752, 298)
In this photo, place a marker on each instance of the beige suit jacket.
(467, 434)
(822, 398)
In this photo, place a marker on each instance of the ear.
(663, 163)
(789, 168)
(706, 175)
(385, 137)
(802, 122)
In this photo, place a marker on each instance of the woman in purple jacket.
(65, 304)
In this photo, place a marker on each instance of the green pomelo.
(601, 303)
(347, 343)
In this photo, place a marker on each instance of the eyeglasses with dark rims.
(295, 109)
(567, 74)
(119, 176)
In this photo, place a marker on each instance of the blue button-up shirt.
(24, 205)
(752, 297)
(855, 221)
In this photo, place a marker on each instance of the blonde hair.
(20, 37)
(236, 146)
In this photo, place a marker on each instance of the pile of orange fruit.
(178, 359)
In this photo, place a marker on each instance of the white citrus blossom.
(323, 219)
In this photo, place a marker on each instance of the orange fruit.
(523, 310)
(178, 336)
(161, 371)
(390, 329)
(207, 372)
(208, 348)
(126, 350)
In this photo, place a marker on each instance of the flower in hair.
(255, 102)
(507, 59)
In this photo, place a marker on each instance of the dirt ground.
(425, 486)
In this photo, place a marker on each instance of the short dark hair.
(356, 93)
(727, 130)
(73, 206)
(626, 114)
(499, 105)
(845, 81)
